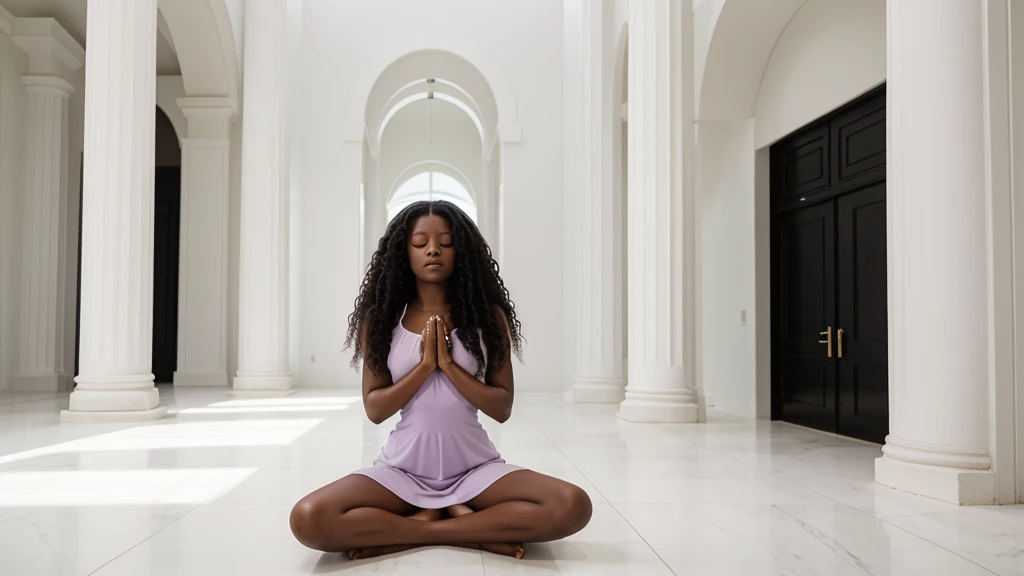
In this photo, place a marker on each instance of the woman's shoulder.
(500, 316)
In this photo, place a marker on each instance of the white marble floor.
(208, 490)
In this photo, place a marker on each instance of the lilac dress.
(438, 455)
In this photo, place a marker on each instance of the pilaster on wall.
(599, 375)
(53, 58)
(203, 261)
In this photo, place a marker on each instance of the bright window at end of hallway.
(431, 186)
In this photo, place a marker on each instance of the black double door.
(829, 312)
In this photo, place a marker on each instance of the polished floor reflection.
(207, 491)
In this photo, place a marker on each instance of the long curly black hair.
(475, 291)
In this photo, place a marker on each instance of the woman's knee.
(309, 523)
(573, 509)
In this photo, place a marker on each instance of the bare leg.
(514, 550)
(374, 551)
(355, 502)
(356, 512)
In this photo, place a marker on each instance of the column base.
(256, 382)
(958, 476)
(79, 417)
(954, 485)
(89, 399)
(201, 379)
(662, 407)
(128, 398)
(54, 382)
(596, 390)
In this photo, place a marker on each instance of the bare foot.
(501, 548)
(374, 551)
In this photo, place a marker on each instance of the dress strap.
(401, 319)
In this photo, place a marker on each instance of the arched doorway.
(431, 132)
(166, 227)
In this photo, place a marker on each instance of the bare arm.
(492, 397)
(382, 398)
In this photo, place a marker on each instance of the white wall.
(726, 185)
(524, 39)
(236, 13)
(831, 52)
(13, 111)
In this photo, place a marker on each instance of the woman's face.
(432, 249)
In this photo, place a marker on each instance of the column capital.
(51, 50)
(48, 83)
(208, 117)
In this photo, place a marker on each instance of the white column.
(938, 442)
(599, 344)
(203, 261)
(115, 355)
(263, 260)
(53, 57)
(661, 216)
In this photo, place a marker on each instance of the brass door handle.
(828, 340)
(839, 334)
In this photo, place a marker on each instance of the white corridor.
(208, 490)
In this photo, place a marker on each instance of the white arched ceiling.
(203, 38)
(455, 80)
(742, 40)
(443, 91)
(405, 58)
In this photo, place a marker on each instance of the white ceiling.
(71, 15)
